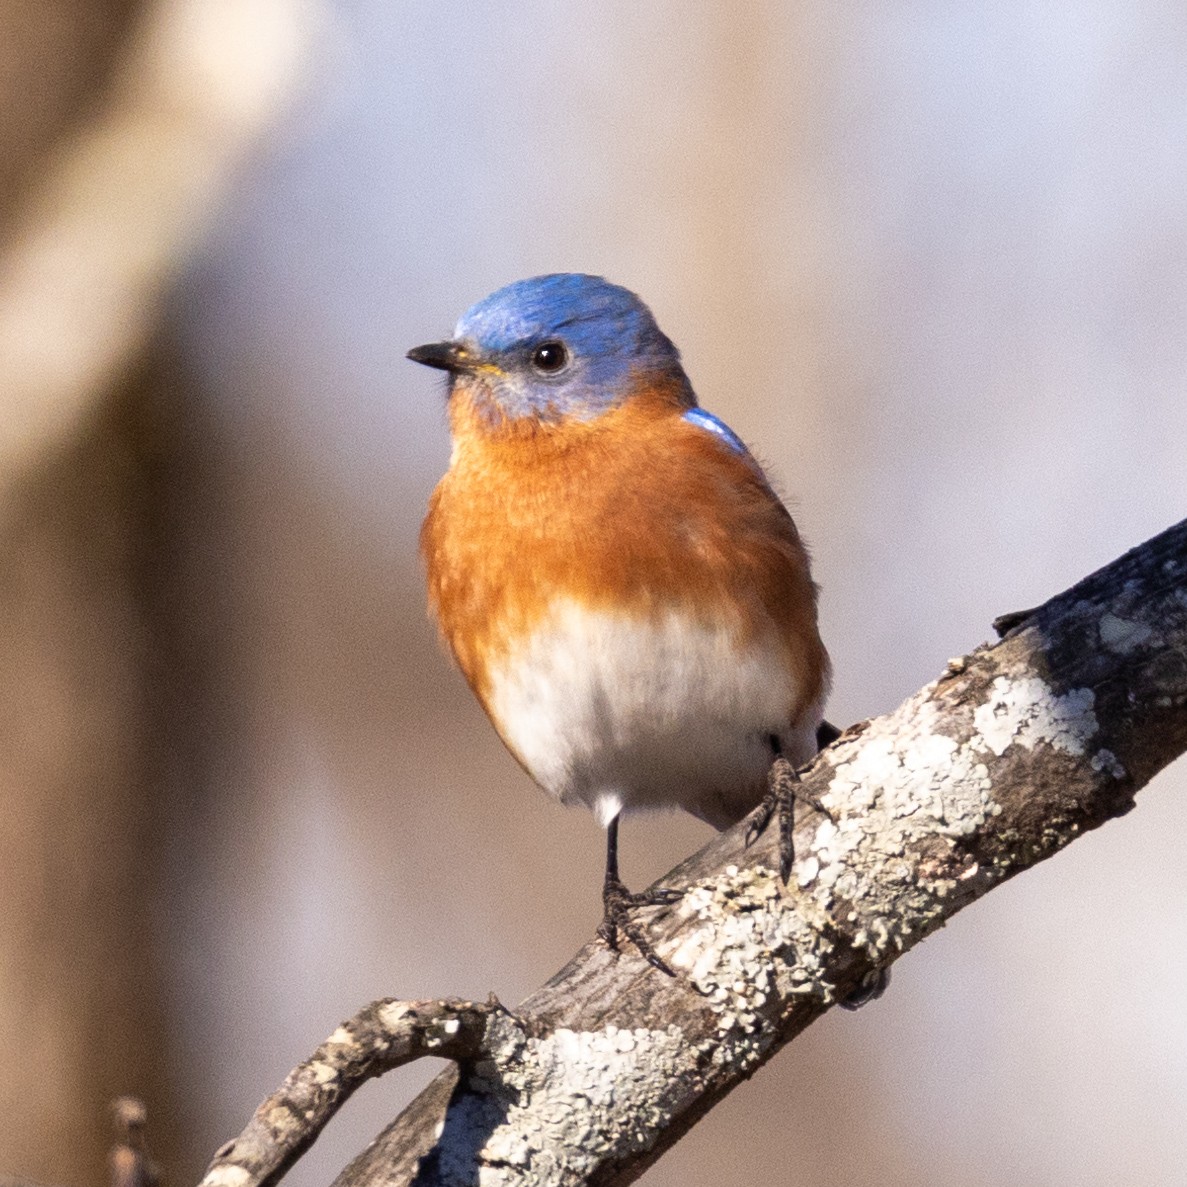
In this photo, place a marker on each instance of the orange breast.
(635, 512)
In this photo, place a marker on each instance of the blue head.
(556, 347)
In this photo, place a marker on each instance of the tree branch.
(1011, 754)
(384, 1035)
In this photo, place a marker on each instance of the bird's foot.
(873, 986)
(783, 789)
(619, 903)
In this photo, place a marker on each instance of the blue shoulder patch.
(710, 423)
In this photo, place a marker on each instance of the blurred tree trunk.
(55, 57)
(80, 1011)
(119, 122)
(81, 1014)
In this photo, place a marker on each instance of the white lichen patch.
(749, 948)
(321, 1073)
(226, 1176)
(1123, 635)
(806, 871)
(891, 793)
(897, 793)
(1027, 712)
(550, 1109)
(391, 1014)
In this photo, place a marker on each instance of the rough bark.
(1012, 753)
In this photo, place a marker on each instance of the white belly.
(624, 714)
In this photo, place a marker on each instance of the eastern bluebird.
(623, 590)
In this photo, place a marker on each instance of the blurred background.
(928, 258)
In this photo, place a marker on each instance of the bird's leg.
(618, 903)
(783, 789)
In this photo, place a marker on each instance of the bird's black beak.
(445, 356)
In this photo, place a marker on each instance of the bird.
(615, 576)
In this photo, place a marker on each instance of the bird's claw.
(619, 903)
(783, 789)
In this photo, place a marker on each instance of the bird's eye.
(549, 357)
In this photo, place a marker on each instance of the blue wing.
(710, 423)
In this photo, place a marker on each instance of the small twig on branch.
(1010, 755)
(384, 1035)
(130, 1162)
